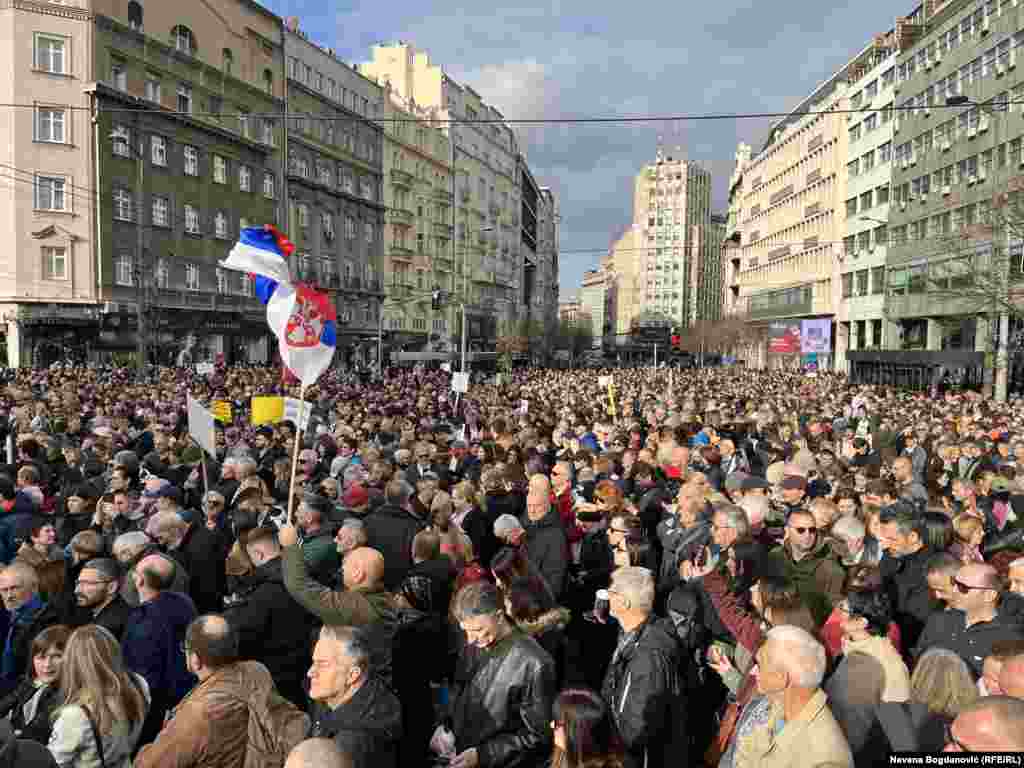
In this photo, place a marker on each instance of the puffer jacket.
(210, 727)
(548, 630)
(818, 578)
(502, 703)
(645, 694)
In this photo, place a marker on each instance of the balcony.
(790, 302)
(443, 196)
(402, 178)
(400, 253)
(205, 301)
(442, 230)
(443, 263)
(400, 290)
(402, 217)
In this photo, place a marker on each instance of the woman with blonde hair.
(103, 705)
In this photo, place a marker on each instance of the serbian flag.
(302, 318)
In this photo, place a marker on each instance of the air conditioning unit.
(927, 111)
(945, 189)
(1021, 161)
(1012, 63)
(938, 57)
(924, 198)
(1000, 70)
(903, 205)
(985, 25)
(983, 124)
(871, 249)
(946, 145)
(971, 180)
(913, 159)
(982, 173)
(906, 163)
(972, 132)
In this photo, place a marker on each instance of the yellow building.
(418, 227)
(624, 256)
(793, 217)
(488, 256)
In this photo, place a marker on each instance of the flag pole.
(295, 453)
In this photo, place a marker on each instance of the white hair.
(1019, 562)
(757, 509)
(849, 527)
(799, 654)
(637, 585)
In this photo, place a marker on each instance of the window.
(365, 189)
(851, 206)
(882, 235)
(327, 221)
(55, 263)
(369, 231)
(222, 281)
(191, 160)
(268, 186)
(864, 240)
(268, 81)
(245, 178)
(302, 214)
(122, 204)
(243, 124)
(153, 87)
(135, 16)
(870, 123)
(220, 170)
(51, 54)
(220, 225)
(185, 98)
(885, 152)
(192, 277)
(184, 41)
(865, 200)
(847, 284)
(862, 282)
(323, 174)
(50, 125)
(229, 61)
(867, 162)
(855, 132)
(917, 279)
(871, 89)
(118, 74)
(120, 146)
(191, 219)
(124, 274)
(161, 211)
(877, 280)
(247, 286)
(350, 228)
(267, 131)
(349, 184)
(162, 274)
(158, 145)
(216, 106)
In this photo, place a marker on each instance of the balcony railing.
(402, 178)
(442, 230)
(400, 252)
(402, 216)
(443, 195)
(201, 300)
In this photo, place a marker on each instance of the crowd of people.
(699, 568)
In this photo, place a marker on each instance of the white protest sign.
(204, 369)
(460, 382)
(200, 426)
(297, 412)
(524, 407)
(604, 381)
(446, 367)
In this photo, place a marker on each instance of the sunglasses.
(802, 531)
(964, 589)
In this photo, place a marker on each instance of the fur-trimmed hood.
(557, 618)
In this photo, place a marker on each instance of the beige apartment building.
(488, 236)
(625, 258)
(418, 243)
(792, 217)
(49, 286)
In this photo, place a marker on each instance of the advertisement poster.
(815, 336)
(784, 337)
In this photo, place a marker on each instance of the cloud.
(558, 59)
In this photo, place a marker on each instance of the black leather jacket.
(502, 703)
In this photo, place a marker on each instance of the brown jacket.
(210, 727)
(50, 571)
(812, 738)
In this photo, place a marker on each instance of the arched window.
(135, 16)
(229, 62)
(268, 81)
(184, 40)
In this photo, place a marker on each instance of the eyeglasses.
(951, 739)
(803, 531)
(617, 530)
(964, 589)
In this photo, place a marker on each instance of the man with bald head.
(153, 639)
(1011, 676)
(362, 602)
(991, 724)
(547, 545)
(211, 726)
(976, 624)
(318, 753)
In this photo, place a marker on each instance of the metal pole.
(655, 354)
(455, 203)
(380, 340)
(139, 309)
(464, 334)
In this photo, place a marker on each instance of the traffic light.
(436, 298)
(675, 340)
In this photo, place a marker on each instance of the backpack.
(276, 726)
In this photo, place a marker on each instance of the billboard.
(784, 337)
(815, 336)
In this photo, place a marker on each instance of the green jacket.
(818, 578)
(321, 556)
(373, 610)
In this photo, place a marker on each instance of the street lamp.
(120, 138)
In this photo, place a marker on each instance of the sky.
(575, 59)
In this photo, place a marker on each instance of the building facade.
(869, 167)
(486, 168)
(540, 272)
(593, 303)
(793, 217)
(334, 174)
(949, 234)
(174, 86)
(50, 283)
(625, 252)
(418, 234)
(672, 215)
